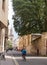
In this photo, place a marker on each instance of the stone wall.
(43, 43)
(3, 22)
(38, 44)
(0, 38)
(4, 13)
(25, 41)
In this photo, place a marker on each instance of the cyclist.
(23, 53)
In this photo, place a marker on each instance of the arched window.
(3, 4)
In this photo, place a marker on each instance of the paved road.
(33, 62)
(8, 61)
(30, 60)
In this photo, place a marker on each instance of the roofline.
(36, 34)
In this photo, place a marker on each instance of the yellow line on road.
(13, 58)
(16, 63)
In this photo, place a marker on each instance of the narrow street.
(14, 58)
(23, 26)
(30, 60)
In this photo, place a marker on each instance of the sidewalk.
(8, 61)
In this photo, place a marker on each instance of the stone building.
(11, 36)
(39, 44)
(25, 41)
(35, 44)
(44, 43)
(3, 23)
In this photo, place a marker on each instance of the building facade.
(3, 23)
(11, 36)
(25, 41)
(35, 44)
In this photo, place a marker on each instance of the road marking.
(13, 58)
(16, 63)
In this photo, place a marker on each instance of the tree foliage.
(9, 44)
(30, 16)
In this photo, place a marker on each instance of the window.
(3, 4)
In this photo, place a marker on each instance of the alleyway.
(17, 60)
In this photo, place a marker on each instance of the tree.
(9, 44)
(45, 14)
(29, 16)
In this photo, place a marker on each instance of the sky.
(10, 14)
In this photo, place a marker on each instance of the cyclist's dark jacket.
(24, 51)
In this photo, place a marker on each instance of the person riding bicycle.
(23, 53)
